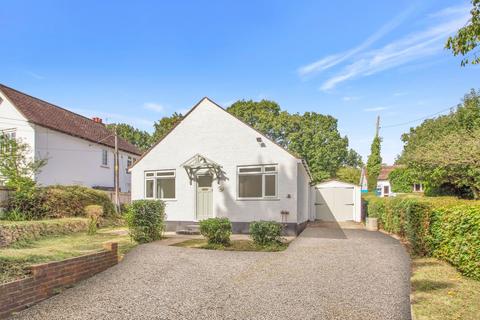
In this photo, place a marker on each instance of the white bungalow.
(211, 164)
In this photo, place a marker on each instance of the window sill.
(257, 199)
(105, 167)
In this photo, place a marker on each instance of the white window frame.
(262, 172)
(104, 157)
(154, 177)
(10, 134)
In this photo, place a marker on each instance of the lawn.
(235, 245)
(441, 292)
(15, 259)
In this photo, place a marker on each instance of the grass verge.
(441, 292)
(15, 259)
(235, 245)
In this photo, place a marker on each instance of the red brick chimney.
(97, 120)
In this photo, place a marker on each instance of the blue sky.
(136, 61)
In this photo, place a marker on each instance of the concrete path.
(326, 273)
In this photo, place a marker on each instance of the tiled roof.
(385, 171)
(53, 117)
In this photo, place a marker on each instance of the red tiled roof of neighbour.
(385, 171)
(56, 118)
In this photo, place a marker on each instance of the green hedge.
(265, 232)
(146, 220)
(446, 228)
(216, 230)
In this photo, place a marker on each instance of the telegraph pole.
(116, 173)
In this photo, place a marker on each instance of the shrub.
(216, 230)
(146, 220)
(93, 213)
(265, 232)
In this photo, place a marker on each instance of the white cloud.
(350, 98)
(153, 107)
(182, 111)
(35, 75)
(109, 117)
(417, 45)
(400, 94)
(334, 59)
(375, 109)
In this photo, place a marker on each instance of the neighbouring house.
(211, 164)
(384, 188)
(79, 150)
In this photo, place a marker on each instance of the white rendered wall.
(75, 161)
(381, 184)
(303, 189)
(215, 134)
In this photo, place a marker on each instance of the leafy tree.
(138, 138)
(353, 159)
(374, 163)
(446, 150)
(468, 37)
(18, 168)
(349, 174)
(402, 180)
(164, 125)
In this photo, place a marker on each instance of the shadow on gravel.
(332, 231)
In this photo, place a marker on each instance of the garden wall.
(49, 279)
(13, 231)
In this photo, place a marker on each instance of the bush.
(446, 228)
(216, 230)
(146, 220)
(93, 213)
(265, 232)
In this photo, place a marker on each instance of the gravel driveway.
(325, 274)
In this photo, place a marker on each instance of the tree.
(18, 168)
(353, 159)
(349, 174)
(402, 180)
(140, 139)
(446, 150)
(164, 125)
(374, 163)
(468, 37)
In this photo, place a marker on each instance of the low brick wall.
(49, 279)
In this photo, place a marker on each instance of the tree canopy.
(312, 136)
(467, 38)
(446, 149)
(374, 163)
(164, 125)
(140, 139)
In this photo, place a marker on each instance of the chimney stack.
(97, 120)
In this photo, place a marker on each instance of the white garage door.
(334, 203)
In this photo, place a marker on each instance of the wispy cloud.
(152, 106)
(375, 109)
(350, 98)
(334, 59)
(34, 75)
(361, 61)
(110, 117)
(400, 94)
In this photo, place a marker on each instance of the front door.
(204, 197)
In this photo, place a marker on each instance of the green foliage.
(349, 174)
(164, 125)
(445, 150)
(468, 37)
(216, 230)
(312, 136)
(93, 213)
(446, 228)
(146, 220)
(70, 201)
(265, 233)
(353, 160)
(374, 164)
(401, 180)
(139, 138)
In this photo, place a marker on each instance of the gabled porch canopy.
(199, 164)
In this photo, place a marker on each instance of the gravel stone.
(326, 273)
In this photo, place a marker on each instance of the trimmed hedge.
(11, 232)
(146, 220)
(216, 230)
(446, 228)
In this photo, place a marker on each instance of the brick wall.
(50, 278)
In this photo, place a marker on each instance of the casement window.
(160, 184)
(257, 182)
(129, 164)
(6, 135)
(104, 157)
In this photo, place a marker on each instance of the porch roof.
(201, 164)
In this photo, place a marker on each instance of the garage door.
(334, 203)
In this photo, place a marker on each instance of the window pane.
(149, 174)
(270, 169)
(165, 174)
(270, 185)
(250, 186)
(149, 189)
(166, 188)
(257, 169)
(204, 181)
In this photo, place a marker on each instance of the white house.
(384, 188)
(78, 150)
(211, 164)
